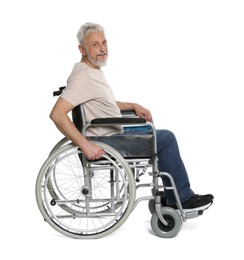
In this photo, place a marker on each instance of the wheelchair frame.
(91, 199)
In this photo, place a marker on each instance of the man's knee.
(165, 138)
(165, 134)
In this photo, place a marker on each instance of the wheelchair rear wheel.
(62, 142)
(85, 199)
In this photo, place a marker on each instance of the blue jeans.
(169, 160)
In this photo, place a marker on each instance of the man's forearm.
(125, 105)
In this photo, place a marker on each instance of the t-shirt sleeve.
(77, 90)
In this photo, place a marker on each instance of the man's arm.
(139, 110)
(59, 116)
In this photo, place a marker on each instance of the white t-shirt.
(88, 87)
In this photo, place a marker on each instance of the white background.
(184, 60)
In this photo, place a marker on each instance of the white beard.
(95, 62)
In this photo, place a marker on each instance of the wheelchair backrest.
(78, 117)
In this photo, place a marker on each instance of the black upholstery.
(77, 118)
(130, 146)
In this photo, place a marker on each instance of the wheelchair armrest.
(118, 120)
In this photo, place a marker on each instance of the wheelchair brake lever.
(151, 161)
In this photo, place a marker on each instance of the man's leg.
(170, 161)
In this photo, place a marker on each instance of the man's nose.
(102, 47)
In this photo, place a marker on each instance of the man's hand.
(143, 112)
(91, 150)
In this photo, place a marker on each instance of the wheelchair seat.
(129, 146)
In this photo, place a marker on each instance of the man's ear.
(82, 50)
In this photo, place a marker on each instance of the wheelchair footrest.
(193, 214)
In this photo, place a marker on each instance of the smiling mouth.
(102, 54)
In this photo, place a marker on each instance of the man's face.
(95, 50)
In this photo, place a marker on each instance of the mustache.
(101, 53)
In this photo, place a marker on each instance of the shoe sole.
(199, 209)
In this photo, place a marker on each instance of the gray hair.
(87, 28)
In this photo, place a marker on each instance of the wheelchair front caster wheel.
(173, 219)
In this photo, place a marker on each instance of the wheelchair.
(91, 199)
